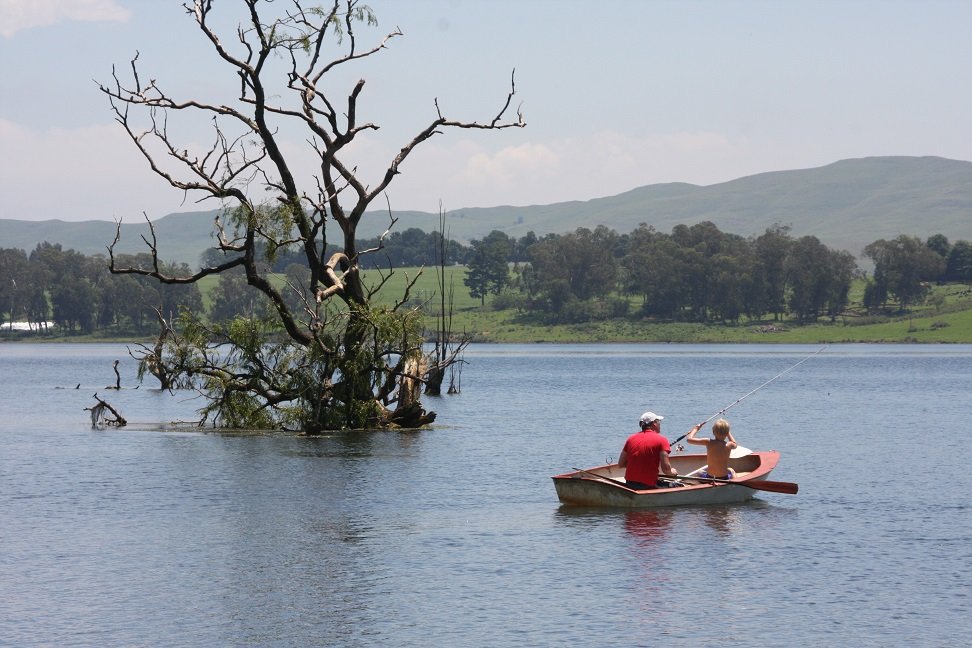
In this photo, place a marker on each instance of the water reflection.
(648, 526)
(585, 516)
(723, 520)
(732, 519)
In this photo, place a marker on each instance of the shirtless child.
(716, 450)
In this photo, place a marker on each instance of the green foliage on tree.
(697, 273)
(325, 357)
(78, 295)
(571, 277)
(818, 279)
(939, 244)
(958, 265)
(16, 282)
(771, 250)
(232, 298)
(488, 265)
(903, 267)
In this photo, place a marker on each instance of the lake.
(159, 534)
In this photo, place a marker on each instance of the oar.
(789, 488)
(613, 481)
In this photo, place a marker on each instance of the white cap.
(650, 417)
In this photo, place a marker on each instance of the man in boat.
(716, 450)
(645, 455)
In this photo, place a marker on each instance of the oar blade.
(789, 488)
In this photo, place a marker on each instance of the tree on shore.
(568, 273)
(903, 267)
(488, 264)
(958, 265)
(338, 360)
(818, 279)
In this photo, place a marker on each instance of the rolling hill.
(847, 205)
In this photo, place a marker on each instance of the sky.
(616, 94)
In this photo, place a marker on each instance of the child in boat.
(716, 450)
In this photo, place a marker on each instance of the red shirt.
(644, 455)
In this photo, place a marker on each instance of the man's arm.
(666, 465)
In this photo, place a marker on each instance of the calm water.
(155, 535)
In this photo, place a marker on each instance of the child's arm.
(691, 436)
(732, 442)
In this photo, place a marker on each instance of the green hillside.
(181, 237)
(847, 205)
(946, 317)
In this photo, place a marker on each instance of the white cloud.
(510, 165)
(89, 173)
(483, 172)
(469, 173)
(18, 15)
(96, 173)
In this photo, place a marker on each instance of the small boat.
(605, 486)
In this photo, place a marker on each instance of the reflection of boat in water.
(605, 486)
(648, 525)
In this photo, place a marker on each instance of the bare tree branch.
(284, 55)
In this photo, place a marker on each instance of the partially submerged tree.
(447, 349)
(340, 360)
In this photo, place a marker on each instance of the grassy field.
(946, 317)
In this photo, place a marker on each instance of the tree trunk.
(327, 362)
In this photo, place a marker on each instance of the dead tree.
(447, 350)
(114, 366)
(99, 417)
(172, 374)
(334, 359)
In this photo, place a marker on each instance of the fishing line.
(742, 398)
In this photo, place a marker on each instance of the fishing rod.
(742, 398)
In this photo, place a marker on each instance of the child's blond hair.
(721, 426)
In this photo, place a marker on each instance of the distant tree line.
(409, 248)
(904, 268)
(695, 273)
(77, 293)
(699, 274)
